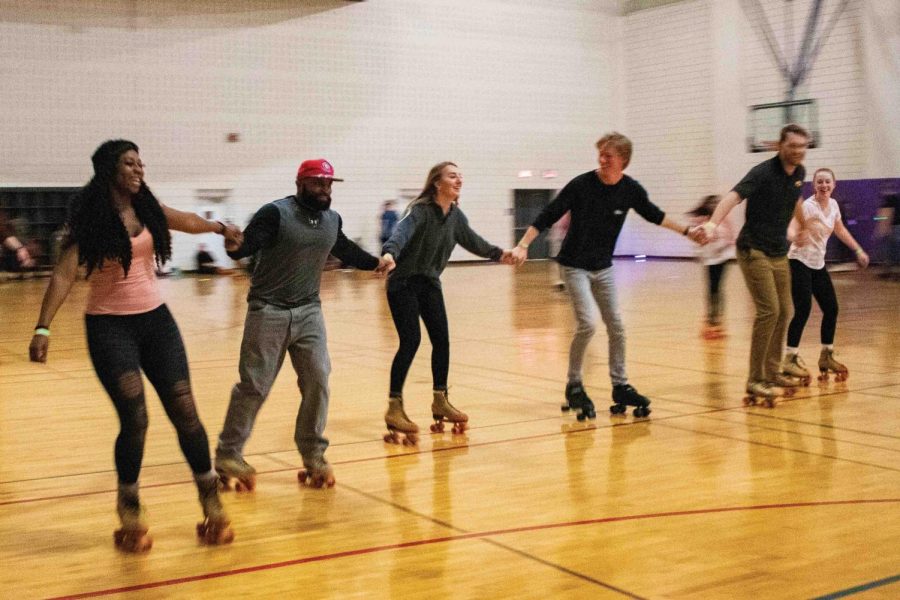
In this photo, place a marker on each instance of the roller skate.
(236, 471)
(827, 364)
(317, 474)
(624, 396)
(442, 410)
(762, 393)
(795, 366)
(216, 527)
(397, 422)
(132, 536)
(788, 383)
(578, 400)
(712, 331)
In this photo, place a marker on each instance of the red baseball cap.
(318, 168)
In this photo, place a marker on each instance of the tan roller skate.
(236, 472)
(317, 474)
(132, 536)
(216, 527)
(398, 423)
(795, 366)
(762, 393)
(827, 364)
(788, 383)
(442, 410)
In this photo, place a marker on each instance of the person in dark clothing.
(14, 253)
(599, 201)
(206, 263)
(291, 239)
(772, 190)
(388, 221)
(417, 253)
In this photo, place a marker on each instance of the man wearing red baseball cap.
(291, 238)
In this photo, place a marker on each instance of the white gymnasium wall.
(692, 68)
(384, 89)
(668, 56)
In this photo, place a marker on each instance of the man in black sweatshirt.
(599, 201)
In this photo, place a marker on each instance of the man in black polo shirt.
(772, 190)
(598, 202)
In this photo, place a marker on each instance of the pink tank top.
(112, 293)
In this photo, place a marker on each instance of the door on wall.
(212, 205)
(527, 205)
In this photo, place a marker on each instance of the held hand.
(37, 350)
(519, 255)
(698, 235)
(233, 234)
(386, 264)
(507, 258)
(863, 259)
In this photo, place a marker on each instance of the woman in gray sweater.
(420, 247)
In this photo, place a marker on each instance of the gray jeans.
(593, 291)
(269, 333)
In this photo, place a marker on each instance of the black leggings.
(410, 299)
(120, 347)
(807, 284)
(715, 273)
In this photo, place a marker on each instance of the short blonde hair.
(618, 142)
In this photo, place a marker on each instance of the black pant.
(807, 284)
(120, 347)
(715, 273)
(410, 299)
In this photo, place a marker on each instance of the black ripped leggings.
(121, 346)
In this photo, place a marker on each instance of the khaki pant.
(769, 282)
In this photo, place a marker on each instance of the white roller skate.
(763, 393)
(133, 536)
(236, 472)
(317, 473)
(795, 366)
(442, 410)
(216, 527)
(398, 423)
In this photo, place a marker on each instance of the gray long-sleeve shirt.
(293, 242)
(424, 239)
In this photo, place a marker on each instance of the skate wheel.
(437, 427)
(581, 416)
(134, 541)
(749, 401)
(769, 402)
(565, 408)
(806, 381)
(303, 477)
(788, 392)
(617, 409)
(460, 427)
(641, 411)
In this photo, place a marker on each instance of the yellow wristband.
(522, 245)
(859, 251)
(42, 331)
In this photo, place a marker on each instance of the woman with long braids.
(420, 248)
(119, 232)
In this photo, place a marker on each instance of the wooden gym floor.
(705, 499)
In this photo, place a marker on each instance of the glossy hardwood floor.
(705, 499)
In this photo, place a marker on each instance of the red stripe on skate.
(463, 536)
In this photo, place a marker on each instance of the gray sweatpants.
(269, 333)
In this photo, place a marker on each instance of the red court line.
(459, 537)
(342, 462)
